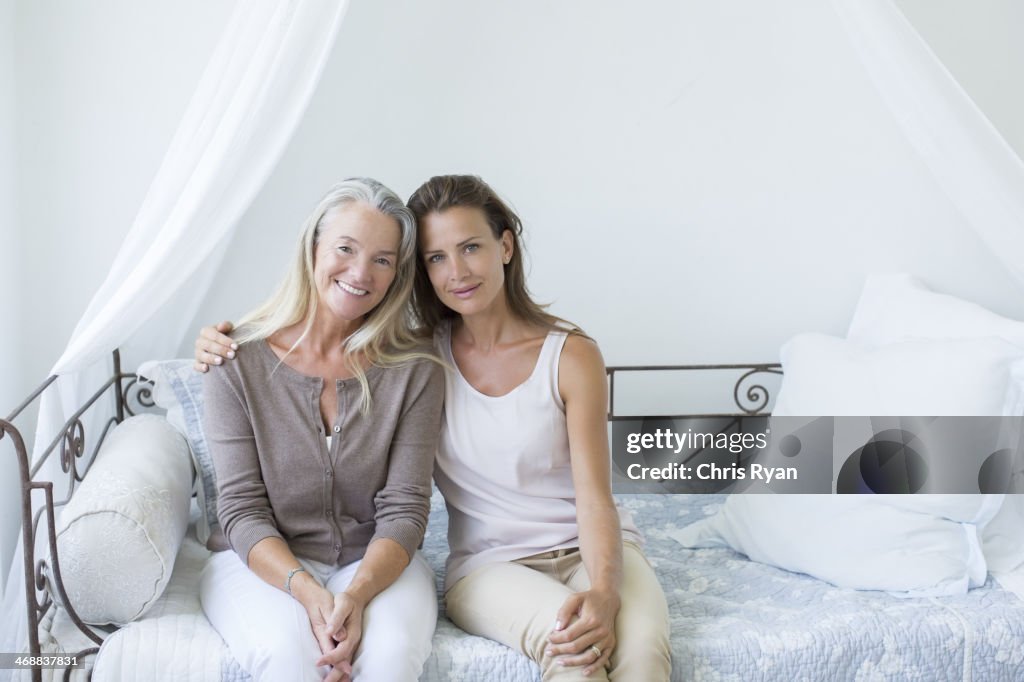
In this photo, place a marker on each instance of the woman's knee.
(398, 627)
(285, 658)
(267, 632)
(398, 653)
(642, 650)
(399, 659)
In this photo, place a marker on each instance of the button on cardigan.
(277, 477)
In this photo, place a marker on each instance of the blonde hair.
(385, 338)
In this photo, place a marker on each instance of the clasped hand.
(584, 631)
(337, 623)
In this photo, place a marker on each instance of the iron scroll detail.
(757, 395)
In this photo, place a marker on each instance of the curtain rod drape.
(248, 103)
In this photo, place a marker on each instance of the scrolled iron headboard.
(70, 444)
(751, 401)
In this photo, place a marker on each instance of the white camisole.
(503, 467)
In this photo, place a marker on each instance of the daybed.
(731, 618)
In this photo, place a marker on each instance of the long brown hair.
(442, 192)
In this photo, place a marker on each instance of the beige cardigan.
(276, 476)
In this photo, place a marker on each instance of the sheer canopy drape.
(976, 168)
(245, 109)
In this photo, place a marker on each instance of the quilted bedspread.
(731, 619)
(736, 620)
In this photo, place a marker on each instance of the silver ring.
(593, 647)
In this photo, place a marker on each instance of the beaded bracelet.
(291, 574)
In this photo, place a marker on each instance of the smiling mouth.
(466, 291)
(350, 289)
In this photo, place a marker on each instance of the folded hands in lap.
(337, 623)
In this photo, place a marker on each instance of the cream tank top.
(503, 467)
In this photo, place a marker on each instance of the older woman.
(541, 559)
(323, 434)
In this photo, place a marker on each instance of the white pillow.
(825, 375)
(912, 545)
(1003, 538)
(897, 306)
(857, 541)
(119, 534)
(893, 307)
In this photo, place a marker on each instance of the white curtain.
(974, 165)
(246, 107)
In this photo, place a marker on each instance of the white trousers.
(268, 631)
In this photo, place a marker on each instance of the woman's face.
(355, 259)
(463, 259)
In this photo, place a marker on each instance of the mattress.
(731, 619)
(187, 649)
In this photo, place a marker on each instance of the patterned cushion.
(179, 390)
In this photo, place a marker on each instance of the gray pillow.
(179, 390)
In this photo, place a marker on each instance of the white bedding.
(189, 648)
(732, 619)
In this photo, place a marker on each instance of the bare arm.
(584, 391)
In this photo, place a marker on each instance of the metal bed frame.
(130, 393)
(44, 574)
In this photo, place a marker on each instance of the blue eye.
(472, 247)
(345, 249)
(384, 261)
(436, 258)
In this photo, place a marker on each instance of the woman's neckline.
(281, 362)
(461, 377)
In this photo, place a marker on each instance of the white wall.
(101, 88)
(11, 380)
(981, 44)
(587, 115)
(556, 105)
(106, 84)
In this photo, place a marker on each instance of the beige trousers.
(515, 603)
